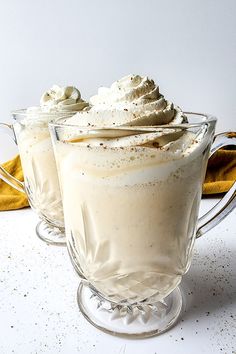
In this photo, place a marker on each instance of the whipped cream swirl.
(141, 97)
(57, 102)
(131, 101)
(66, 98)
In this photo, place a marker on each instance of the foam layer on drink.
(119, 156)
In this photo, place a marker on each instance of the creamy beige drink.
(33, 138)
(131, 196)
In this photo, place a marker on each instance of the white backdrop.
(187, 46)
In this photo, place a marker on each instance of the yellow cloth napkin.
(221, 172)
(220, 176)
(10, 198)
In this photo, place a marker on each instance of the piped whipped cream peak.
(66, 98)
(132, 101)
(56, 103)
(132, 90)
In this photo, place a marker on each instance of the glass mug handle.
(215, 215)
(4, 175)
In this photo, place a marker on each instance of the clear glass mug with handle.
(30, 132)
(131, 202)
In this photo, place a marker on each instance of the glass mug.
(30, 132)
(131, 216)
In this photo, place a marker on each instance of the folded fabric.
(221, 172)
(220, 176)
(10, 198)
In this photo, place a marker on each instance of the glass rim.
(24, 111)
(206, 119)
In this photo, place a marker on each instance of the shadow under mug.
(131, 216)
(30, 132)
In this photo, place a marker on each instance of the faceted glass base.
(138, 321)
(51, 234)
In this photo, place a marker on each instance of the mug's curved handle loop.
(4, 175)
(228, 202)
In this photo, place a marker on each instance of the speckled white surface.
(39, 313)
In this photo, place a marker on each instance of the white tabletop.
(39, 313)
